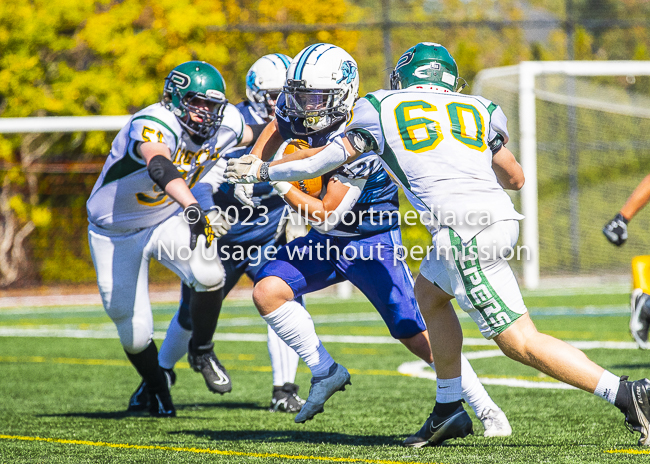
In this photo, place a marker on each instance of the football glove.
(243, 170)
(616, 230)
(220, 222)
(244, 194)
(199, 225)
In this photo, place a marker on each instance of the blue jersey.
(376, 209)
(258, 225)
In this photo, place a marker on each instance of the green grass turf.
(77, 389)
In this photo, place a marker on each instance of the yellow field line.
(628, 451)
(201, 450)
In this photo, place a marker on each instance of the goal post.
(521, 80)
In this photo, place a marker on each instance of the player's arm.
(269, 142)
(163, 172)
(508, 171)
(301, 164)
(616, 229)
(251, 134)
(637, 200)
(341, 195)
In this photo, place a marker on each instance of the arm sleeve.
(347, 203)
(326, 160)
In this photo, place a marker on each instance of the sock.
(473, 391)
(146, 363)
(607, 387)
(204, 312)
(284, 360)
(448, 390)
(623, 398)
(174, 347)
(294, 326)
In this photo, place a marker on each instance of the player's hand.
(199, 225)
(244, 194)
(220, 222)
(296, 226)
(243, 170)
(616, 230)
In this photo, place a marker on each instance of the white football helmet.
(322, 86)
(264, 82)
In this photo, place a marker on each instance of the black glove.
(199, 225)
(616, 230)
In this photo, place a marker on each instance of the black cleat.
(140, 399)
(437, 429)
(637, 413)
(639, 323)
(161, 404)
(204, 360)
(286, 399)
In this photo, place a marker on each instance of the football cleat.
(637, 413)
(496, 423)
(322, 388)
(437, 429)
(204, 360)
(161, 404)
(286, 399)
(140, 399)
(638, 319)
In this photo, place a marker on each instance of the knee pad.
(206, 267)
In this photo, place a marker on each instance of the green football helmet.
(425, 64)
(196, 87)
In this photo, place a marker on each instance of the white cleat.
(496, 423)
(638, 321)
(320, 392)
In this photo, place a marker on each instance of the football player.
(151, 201)
(616, 232)
(448, 152)
(260, 230)
(355, 235)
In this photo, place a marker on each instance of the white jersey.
(125, 198)
(436, 145)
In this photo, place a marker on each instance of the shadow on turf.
(179, 407)
(631, 366)
(291, 436)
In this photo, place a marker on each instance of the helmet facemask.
(265, 101)
(320, 108)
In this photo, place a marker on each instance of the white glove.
(243, 170)
(296, 226)
(244, 194)
(220, 222)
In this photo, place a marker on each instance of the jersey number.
(422, 134)
(146, 131)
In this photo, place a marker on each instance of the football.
(311, 187)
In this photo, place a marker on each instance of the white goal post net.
(581, 131)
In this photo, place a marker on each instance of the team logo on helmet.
(404, 59)
(421, 71)
(349, 71)
(182, 81)
(250, 80)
